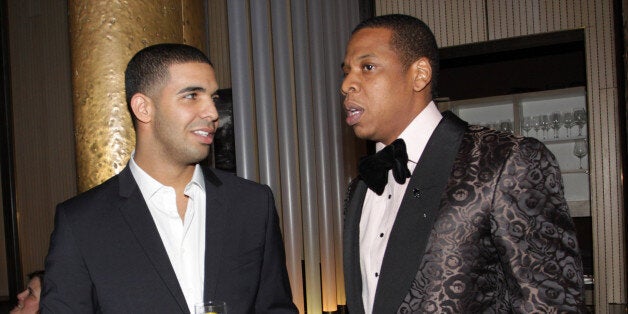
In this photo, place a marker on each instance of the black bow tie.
(374, 168)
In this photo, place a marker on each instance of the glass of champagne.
(568, 121)
(556, 120)
(211, 307)
(580, 119)
(580, 150)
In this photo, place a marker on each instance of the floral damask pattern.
(503, 241)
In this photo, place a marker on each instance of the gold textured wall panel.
(193, 22)
(463, 22)
(104, 36)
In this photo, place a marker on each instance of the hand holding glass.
(211, 307)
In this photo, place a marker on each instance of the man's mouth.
(201, 133)
(354, 113)
(206, 136)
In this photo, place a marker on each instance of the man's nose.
(22, 295)
(349, 85)
(210, 111)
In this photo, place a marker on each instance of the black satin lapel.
(417, 213)
(216, 222)
(139, 219)
(351, 247)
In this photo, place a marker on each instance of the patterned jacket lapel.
(417, 213)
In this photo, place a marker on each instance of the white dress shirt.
(379, 211)
(184, 240)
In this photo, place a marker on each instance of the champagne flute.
(580, 150)
(580, 119)
(527, 124)
(568, 121)
(556, 120)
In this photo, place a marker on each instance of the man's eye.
(190, 96)
(368, 67)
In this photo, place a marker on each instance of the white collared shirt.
(379, 212)
(184, 240)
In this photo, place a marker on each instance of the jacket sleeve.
(67, 287)
(535, 235)
(274, 294)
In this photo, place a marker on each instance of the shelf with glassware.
(558, 118)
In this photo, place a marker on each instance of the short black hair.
(411, 39)
(37, 274)
(149, 67)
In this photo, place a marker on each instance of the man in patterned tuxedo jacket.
(477, 223)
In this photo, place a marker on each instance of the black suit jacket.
(106, 255)
(483, 227)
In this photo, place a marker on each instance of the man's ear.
(422, 71)
(142, 107)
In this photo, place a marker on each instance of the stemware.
(526, 125)
(211, 307)
(580, 119)
(536, 124)
(556, 120)
(580, 150)
(568, 121)
(545, 124)
(505, 125)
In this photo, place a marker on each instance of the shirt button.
(381, 235)
(376, 274)
(389, 196)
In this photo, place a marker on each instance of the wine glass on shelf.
(580, 150)
(495, 125)
(545, 125)
(526, 125)
(568, 121)
(580, 119)
(556, 120)
(536, 124)
(505, 125)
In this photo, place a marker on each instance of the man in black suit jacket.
(481, 226)
(166, 233)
